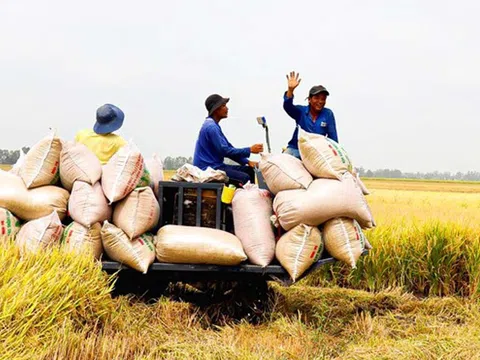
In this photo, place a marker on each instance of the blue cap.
(109, 119)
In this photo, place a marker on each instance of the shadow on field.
(256, 302)
(216, 302)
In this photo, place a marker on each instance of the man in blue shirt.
(213, 147)
(314, 118)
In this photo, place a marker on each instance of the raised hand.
(293, 80)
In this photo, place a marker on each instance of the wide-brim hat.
(109, 119)
(214, 101)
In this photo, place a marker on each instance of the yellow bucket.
(227, 194)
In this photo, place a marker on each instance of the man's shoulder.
(84, 133)
(209, 122)
(119, 139)
(90, 134)
(328, 111)
(209, 125)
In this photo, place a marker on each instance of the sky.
(403, 78)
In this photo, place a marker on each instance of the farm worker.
(101, 140)
(314, 118)
(212, 146)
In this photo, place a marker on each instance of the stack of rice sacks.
(319, 203)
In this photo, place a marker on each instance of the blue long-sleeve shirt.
(323, 125)
(212, 148)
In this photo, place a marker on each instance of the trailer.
(199, 204)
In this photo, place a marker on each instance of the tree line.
(173, 163)
(433, 175)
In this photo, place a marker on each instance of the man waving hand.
(313, 118)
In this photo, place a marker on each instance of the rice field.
(415, 296)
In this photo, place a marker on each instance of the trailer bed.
(196, 212)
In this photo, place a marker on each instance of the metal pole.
(268, 139)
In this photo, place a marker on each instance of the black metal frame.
(193, 272)
(181, 186)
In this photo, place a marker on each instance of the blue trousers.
(239, 173)
(293, 152)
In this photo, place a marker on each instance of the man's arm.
(120, 142)
(332, 128)
(242, 160)
(254, 149)
(223, 147)
(293, 111)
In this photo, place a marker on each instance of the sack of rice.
(78, 163)
(18, 165)
(138, 254)
(44, 199)
(252, 209)
(155, 166)
(39, 234)
(323, 157)
(138, 213)
(298, 249)
(88, 205)
(148, 236)
(40, 166)
(344, 240)
(9, 226)
(324, 200)
(146, 178)
(122, 173)
(198, 245)
(34, 203)
(79, 239)
(284, 172)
